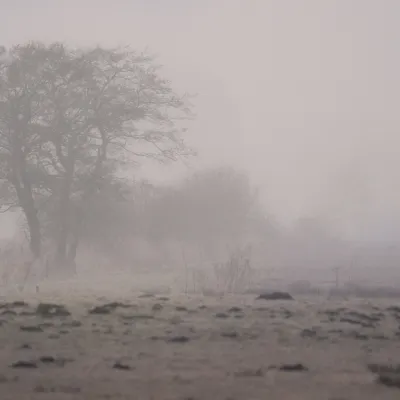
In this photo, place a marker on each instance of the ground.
(192, 347)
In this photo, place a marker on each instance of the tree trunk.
(27, 204)
(35, 242)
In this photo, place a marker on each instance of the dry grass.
(178, 347)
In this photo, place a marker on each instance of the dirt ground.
(179, 347)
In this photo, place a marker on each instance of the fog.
(300, 95)
(199, 198)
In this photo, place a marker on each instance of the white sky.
(304, 94)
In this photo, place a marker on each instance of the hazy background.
(303, 94)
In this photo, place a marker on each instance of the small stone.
(275, 296)
(123, 367)
(178, 339)
(31, 328)
(24, 365)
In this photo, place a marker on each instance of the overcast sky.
(304, 94)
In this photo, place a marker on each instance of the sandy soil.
(179, 347)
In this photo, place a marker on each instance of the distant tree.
(211, 207)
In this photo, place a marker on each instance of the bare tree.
(70, 119)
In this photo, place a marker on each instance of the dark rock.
(181, 308)
(384, 368)
(18, 304)
(395, 309)
(357, 322)
(390, 380)
(275, 296)
(24, 365)
(293, 367)
(163, 298)
(49, 310)
(47, 359)
(72, 324)
(31, 328)
(221, 315)
(178, 339)
(202, 307)
(157, 307)
(137, 317)
(123, 367)
(297, 367)
(26, 346)
(107, 308)
(309, 333)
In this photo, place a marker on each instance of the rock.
(180, 308)
(157, 307)
(31, 328)
(47, 359)
(49, 310)
(293, 367)
(275, 296)
(308, 333)
(178, 339)
(384, 368)
(137, 317)
(297, 367)
(123, 367)
(356, 322)
(391, 380)
(221, 315)
(24, 365)
(231, 335)
(108, 308)
(72, 324)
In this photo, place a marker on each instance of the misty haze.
(200, 199)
